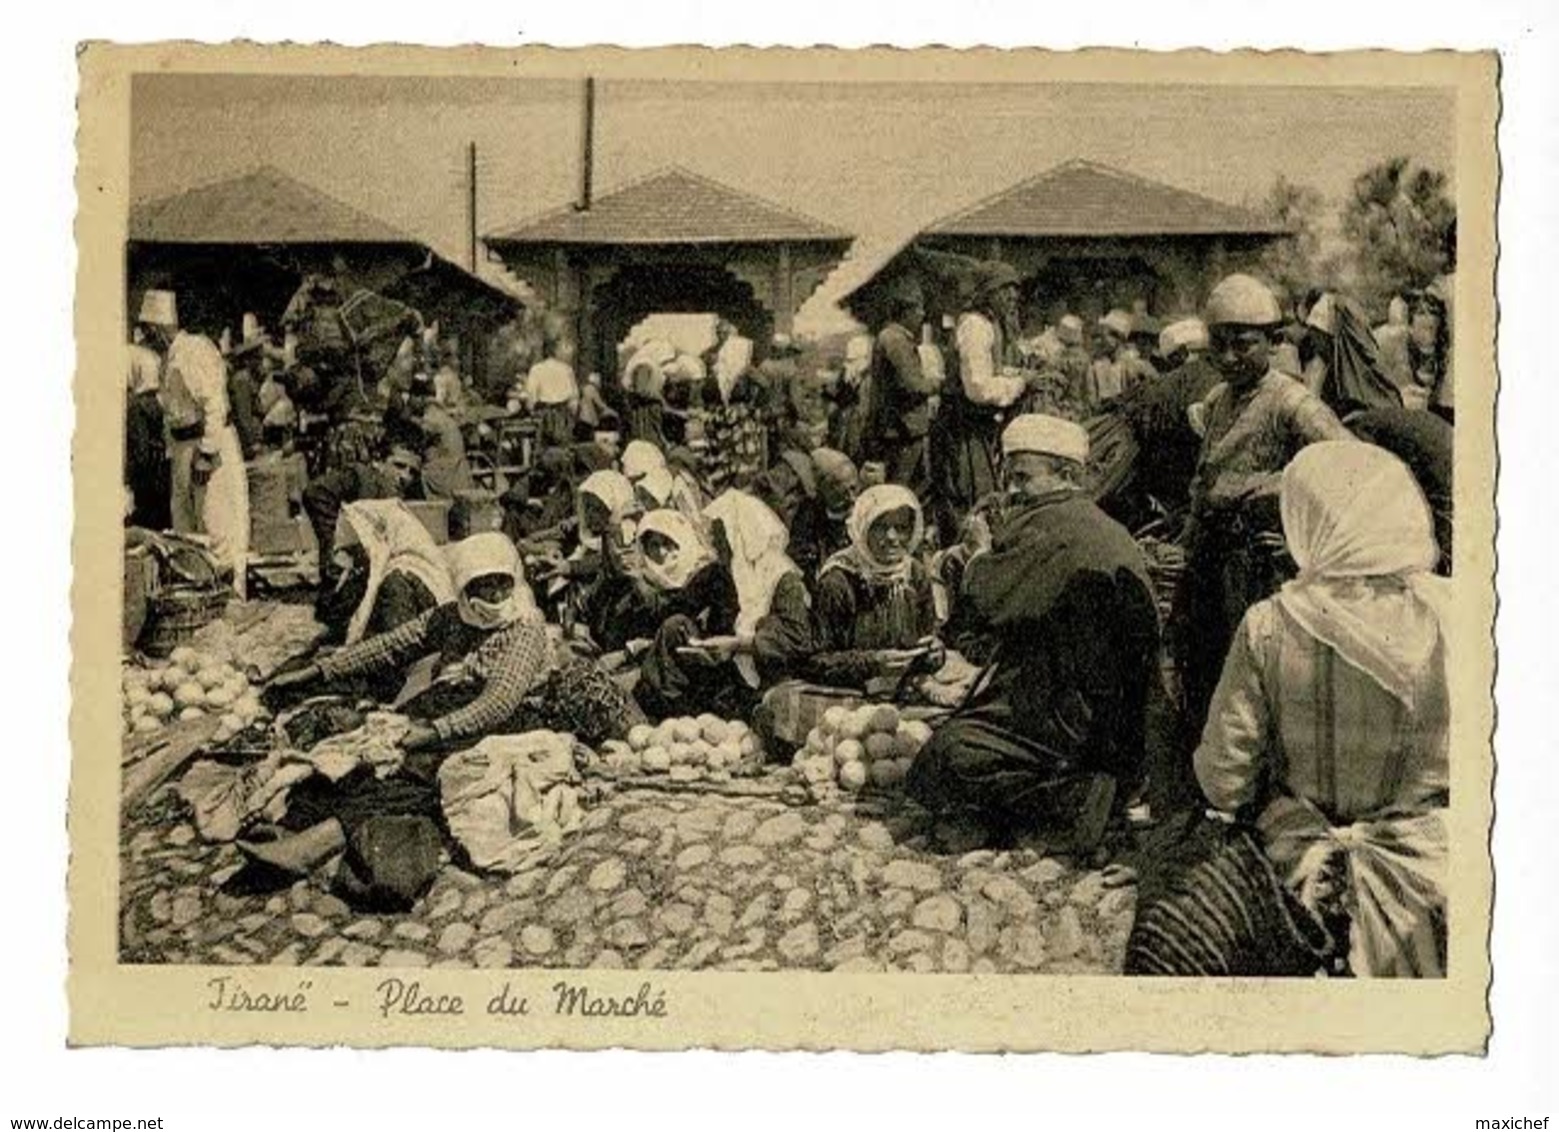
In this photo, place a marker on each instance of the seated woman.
(586, 565)
(730, 616)
(657, 490)
(875, 609)
(391, 571)
(640, 458)
(874, 617)
(687, 491)
(482, 663)
(1325, 750)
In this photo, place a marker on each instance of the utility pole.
(471, 203)
(587, 149)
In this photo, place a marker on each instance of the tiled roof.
(1082, 198)
(673, 206)
(264, 206)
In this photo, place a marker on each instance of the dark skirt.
(1229, 915)
(962, 451)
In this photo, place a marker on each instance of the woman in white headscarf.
(773, 627)
(393, 570)
(876, 610)
(640, 458)
(482, 663)
(1329, 728)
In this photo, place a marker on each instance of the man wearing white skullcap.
(1052, 738)
(1253, 423)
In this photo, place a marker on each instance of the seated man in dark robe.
(1050, 739)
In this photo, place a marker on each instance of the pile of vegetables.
(189, 685)
(687, 749)
(854, 750)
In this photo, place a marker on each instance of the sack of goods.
(687, 749)
(868, 747)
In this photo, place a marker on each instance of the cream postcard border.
(119, 1004)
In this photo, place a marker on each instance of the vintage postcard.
(783, 549)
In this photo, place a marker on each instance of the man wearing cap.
(963, 447)
(1253, 422)
(210, 487)
(900, 412)
(1051, 736)
(243, 384)
(1074, 362)
(1158, 410)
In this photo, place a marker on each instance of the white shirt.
(551, 382)
(983, 382)
(198, 361)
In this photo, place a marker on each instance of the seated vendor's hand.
(420, 737)
(896, 660)
(935, 655)
(296, 678)
(718, 649)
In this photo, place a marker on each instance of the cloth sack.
(389, 862)
(225, 799)
(377, 744)
(512, 799)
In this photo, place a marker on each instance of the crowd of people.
(729, 534)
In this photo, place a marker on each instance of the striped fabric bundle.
(1229, 916)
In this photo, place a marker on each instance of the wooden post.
(784, 292)
(471, 203)
(587, 149)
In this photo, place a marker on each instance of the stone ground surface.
(653, 881)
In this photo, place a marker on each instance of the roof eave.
(1093, 233)
(498, 242)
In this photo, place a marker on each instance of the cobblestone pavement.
(653, 881)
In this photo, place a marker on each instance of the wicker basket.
(187, 595)
(178, 613)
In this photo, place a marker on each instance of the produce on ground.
(190, 684)
(868, 747)
(687, 749)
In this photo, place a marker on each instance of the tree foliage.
(1401, 223)
(1299, 261)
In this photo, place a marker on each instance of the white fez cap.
(1118, 321)
(1047, 436)
(159, 308)
(1188, 333)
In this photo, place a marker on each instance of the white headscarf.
(873, 504)
(757, 539)
(656, 485)
(732, 360)
(641, 458)
(612, 489)
(1357, 524)
(394, 540)
(479, 557)
(692, 553)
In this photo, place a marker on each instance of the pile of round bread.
(687, 749)
(189, 685)
(863, 748)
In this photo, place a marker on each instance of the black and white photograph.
(594, 525)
